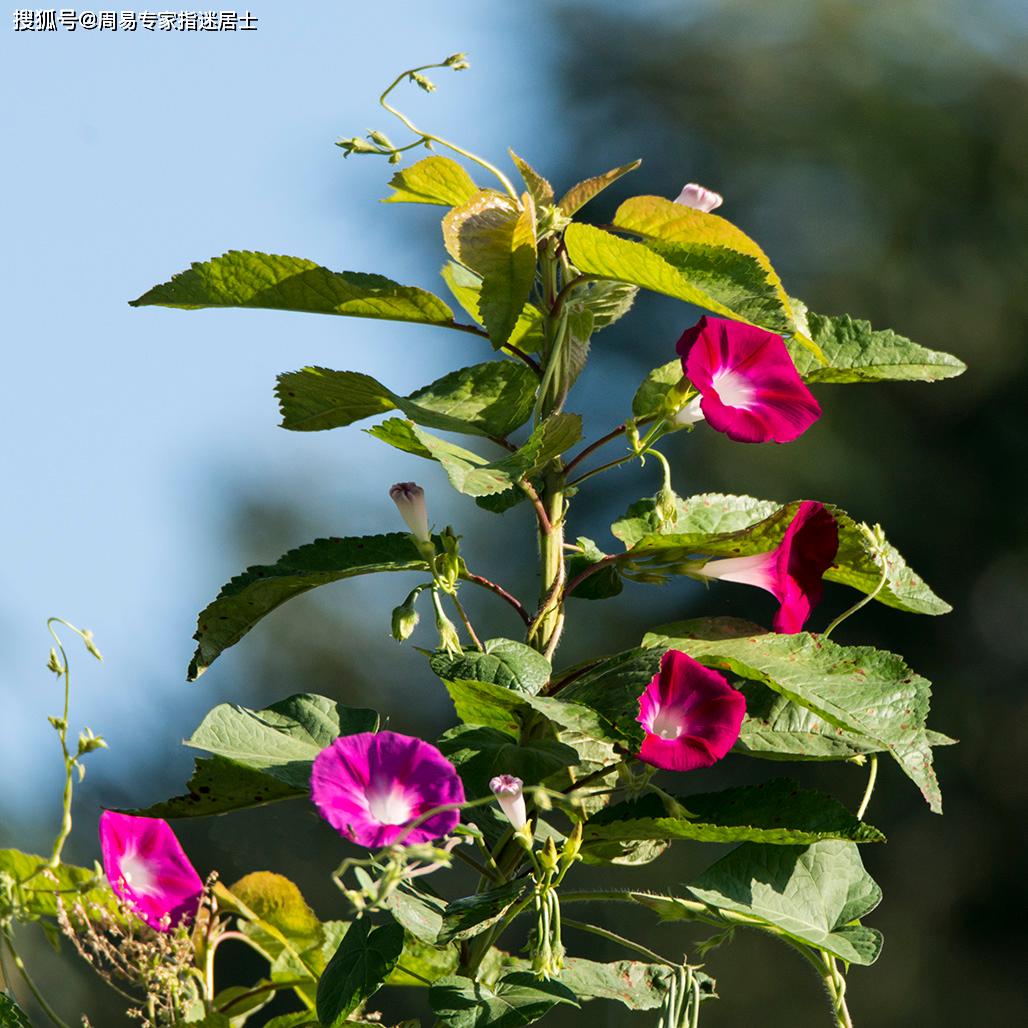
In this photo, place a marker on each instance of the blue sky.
(127, 157)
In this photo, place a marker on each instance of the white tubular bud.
(699, 198)
(409, 498)
(507, 790)
(689, 414)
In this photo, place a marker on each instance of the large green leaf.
(505, 662)
(241, 278)
(715, 278)
(364, 960)
(758, 526)
(37, 896)
(479, 754)
(218, 786)
(776, 728)
(282, 740)
(244, 600)
(436, 180)
(494, 238)
(812, 894)
(870, 693)
(579, 195)
(418, 909)
(11, 1015)
(466, 286)
(277, 901)
(856, 352)
(490, 399)
(517, 999)
(777, 812)
(472, 474)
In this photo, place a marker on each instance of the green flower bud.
(405, 617)
(382, 139)
(426, 84)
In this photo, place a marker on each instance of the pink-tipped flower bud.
(699, 198)
(507, 790)
(409, 498)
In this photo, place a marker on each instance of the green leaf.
(858, 353)
(664, 552)
(472, 915)
(466, 286)
(244, 600)
(428, 961)
(578, 196)
(599, 586)
(649, 398)
(490, 399)
(276, 900)
(870, 693)
(517, 999)
(241, 278)
(778, 812)
(364, 960)
(419, 910)
(812, 894)
(505, 662)
(37, 897)
(436, 180)
(661, 221)
(491, 236)
(283, 739)
(11, 1015)
(472, 474)
(715, 278)
(218, 786)
(541, 190)
(479, 754)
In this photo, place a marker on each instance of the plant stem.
(23, 971)
(620, 940)
(485, 583)
(467, 622)
(872, 774)
(836, 985)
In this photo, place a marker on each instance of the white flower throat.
(733, 389)
(389, 807)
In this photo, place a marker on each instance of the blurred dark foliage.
(879, 153)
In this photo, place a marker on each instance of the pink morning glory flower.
(793, 571)
(691, 714)
(699, 198)
(507, 790)
(371, 786)
(749, 387)
(148, 869)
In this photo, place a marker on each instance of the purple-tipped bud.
(409, 498)
(699, 198)
(507, 790)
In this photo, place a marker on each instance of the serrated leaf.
(471, 915)
(855, 563)
(474, 475)
(812, 894)
(489, 399)
(870, 693)
(540, 189)
(856, 352)
(649, 397)
(282, 740)
(466, 286)
(777, 812)
(241, 278)
(662, 221)
(579, 195)
(37, 892)
(494, 238)
(715, 278)
(505, 662)
(516, 1000)
(11, 1015)
(218, 786)
(248, 597)
(479, 754)
(364, 960)
(434, 180)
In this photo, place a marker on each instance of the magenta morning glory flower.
(148, 869)
(371, 786)
(749, 387)
(691, 714)
(793, 571)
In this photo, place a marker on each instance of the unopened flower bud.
(405, 618)
(356, 145)
(382, 139)
(548, 858)
(89, 742)
(699, 198)
(666, 508)
(426, 84)
(409, 498)
(54, 663)
(87, 638)
(456, 61)
(449, 640)
(572, 847)
(507, 790)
